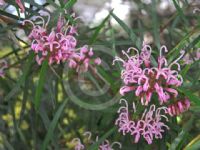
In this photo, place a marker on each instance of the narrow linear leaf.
(22, 79)
(194, 144)
(98, 29)
(191, 96)
(53, 3)
(184, 41)
(125, 27)
(185, 70)
(70, 4)
(40, 84)
(178, 141)
(53, 125)
(155, 24)
(180, 12)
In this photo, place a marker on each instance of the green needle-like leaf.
(53, 124)
(40, 84)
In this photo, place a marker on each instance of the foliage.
(46, 106)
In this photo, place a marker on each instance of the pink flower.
(179, 107)
(187, 59)
(141, 76)
(3, 65)
(126, 89)
(84, 59)
(50, 41)
(78, 144)
(59, 45)
(97, 61)
(151, 125)
(105, 145)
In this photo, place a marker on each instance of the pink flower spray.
(139, 75)
(59, 45)
(151, 125)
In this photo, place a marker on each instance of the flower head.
(81, 61)
(59, 45)
(151, 125)
(141, 76)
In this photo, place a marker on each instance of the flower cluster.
(105, 145)
(3, 65)
(59, 45)
(149, 126)
(179, 107)
(19, 3)
(140, 75)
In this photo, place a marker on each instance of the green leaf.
(191, 96)
(178, 141)
(185, 70)
(185, 41)
(69, 4)
(40, 84)
(98, 29)
(53, 3)
(194, 144)
(180, 12)
(155, 24)
(125, 27)
(22, 79)
(53, 125)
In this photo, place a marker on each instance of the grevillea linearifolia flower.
(179, 107)
(3, 65)
(140, 75)
(19, 3)
(151, 125)
(105, 145)
(59, 45)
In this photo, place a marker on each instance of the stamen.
(117, 59)
(29, 21)
(132, 48)
(123, 52)
(116, 143)
(76, 140)
(134, 108)
(175, 61)
(163, 48)
(44, 13)
(89, 134)
(39, 17)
